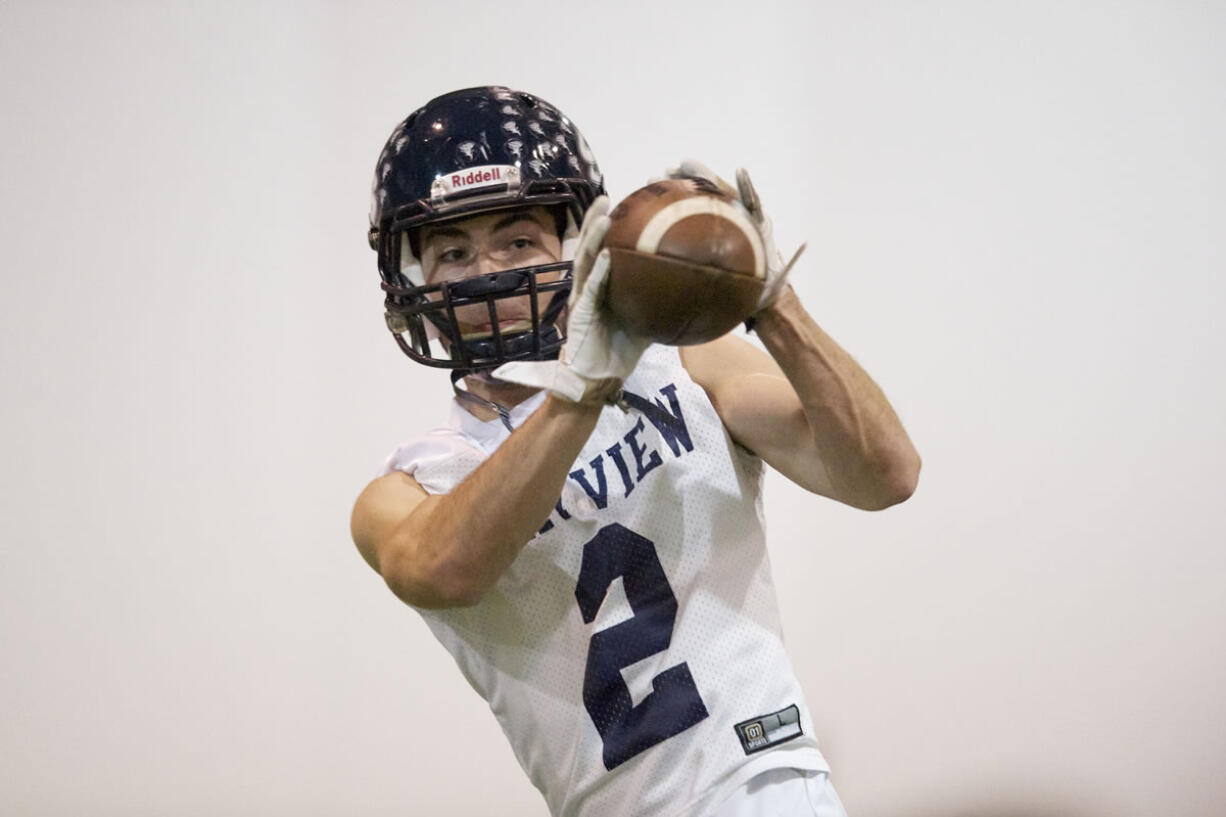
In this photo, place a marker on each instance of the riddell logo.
(487, 175)
(471, 177)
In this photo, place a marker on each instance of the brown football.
(686, 263)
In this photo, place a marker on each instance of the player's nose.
(487, 264)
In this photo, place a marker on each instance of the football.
(686, 263)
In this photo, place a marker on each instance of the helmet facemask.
(425, 318)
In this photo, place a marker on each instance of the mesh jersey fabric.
(650, 577)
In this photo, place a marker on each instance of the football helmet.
(466, 153)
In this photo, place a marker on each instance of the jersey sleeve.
(437, 461)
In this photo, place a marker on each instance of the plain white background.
(1015, 219)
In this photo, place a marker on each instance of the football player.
(584, 534)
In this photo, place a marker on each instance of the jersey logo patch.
(766, 731)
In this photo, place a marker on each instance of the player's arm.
(812, 412)
(808, 409)
(447, 550)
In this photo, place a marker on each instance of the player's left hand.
(776, 269)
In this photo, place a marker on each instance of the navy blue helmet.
(466, 153)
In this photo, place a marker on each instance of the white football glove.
(776, 269)
(598, 353)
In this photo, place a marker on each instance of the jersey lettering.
(668, 421)
(599, 495)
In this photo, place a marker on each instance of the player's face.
(491, 243)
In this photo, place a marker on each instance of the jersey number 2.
(674, 704)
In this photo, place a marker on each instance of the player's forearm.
(863, 445)
(459, 544)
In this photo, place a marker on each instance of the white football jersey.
(632, 653)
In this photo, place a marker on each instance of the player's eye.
(450, 255)
(522, 242)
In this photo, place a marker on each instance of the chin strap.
(465, 396)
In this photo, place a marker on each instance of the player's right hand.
(598, 353)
